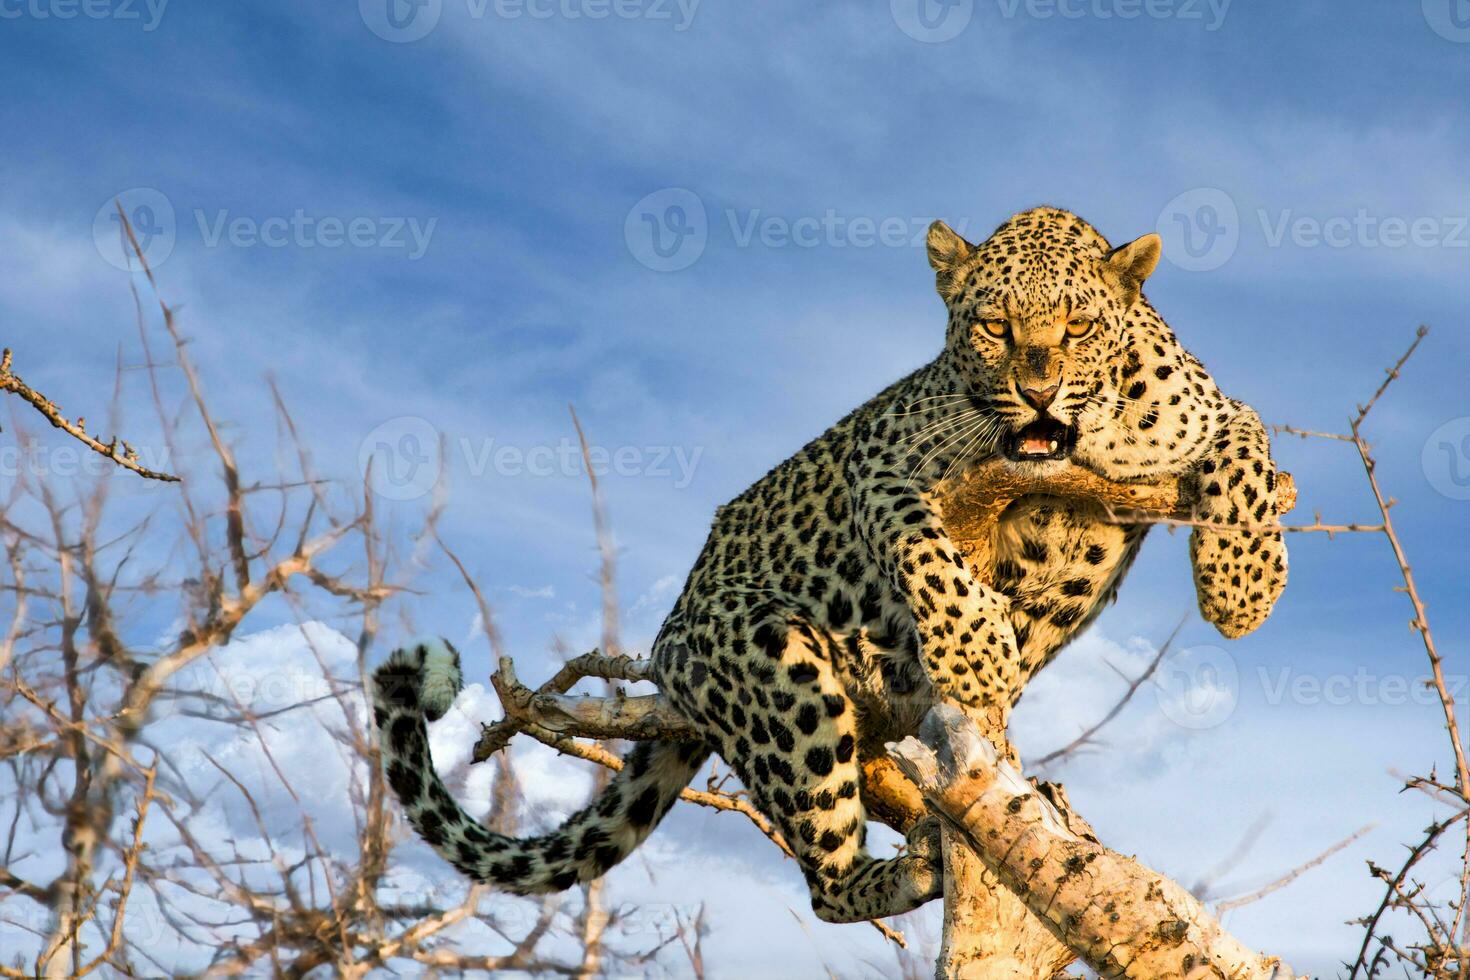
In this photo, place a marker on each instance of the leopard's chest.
(1060, 562)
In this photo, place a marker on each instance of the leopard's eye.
(1080, 326)
(996, 328)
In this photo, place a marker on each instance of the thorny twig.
(1420, 624)
(1292, 875)
(115, 449)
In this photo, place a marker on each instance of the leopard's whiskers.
(986, 432)
(932, 454)
(951, 439)
(935, 428)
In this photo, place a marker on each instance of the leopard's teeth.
(1054, 445)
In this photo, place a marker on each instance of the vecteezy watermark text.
(680, 13)
(936, 21)
(149, 13)
(1285, 685)
(154, 224)
(675, 463)
(1363, 229)
(1202, 228)
(68, 460)
(1209, 13)
(405, 21)
(303, 230)
(1200, 687)
(669, 229)
(404, 458)
(830, 230)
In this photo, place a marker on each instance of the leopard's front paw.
(1238, 575)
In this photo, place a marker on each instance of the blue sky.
(446, 237)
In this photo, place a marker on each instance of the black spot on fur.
(397, 685)
(402, 731)
(405, 780)
(430, 827)
(802, 674)
(769, 639)
(640, 760)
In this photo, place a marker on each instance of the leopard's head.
(1048, 329)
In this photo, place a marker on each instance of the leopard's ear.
(947, 252)
(1131, 264)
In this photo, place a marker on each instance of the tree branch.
(127, 458)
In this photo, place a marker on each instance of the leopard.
(830, 609)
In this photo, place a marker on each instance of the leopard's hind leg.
(759, 679)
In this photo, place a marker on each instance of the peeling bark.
(1122, 918)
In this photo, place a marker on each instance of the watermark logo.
(1363, 229)
(1209, 13)
(1197, 687)
(150, 213)
(678, 12)
(831, 229)
(1450, 19)
(1200, 229)
(400, 21)
(401, 459)
(148, 13)
(208, 688)
(155, 226)
(936, 21)
(565, 459)
(1446, 458)
(409, 235)
(667, 230)
(69, 460)
(1286, 685)
(405, 21)
(932, 21)
(407, 455)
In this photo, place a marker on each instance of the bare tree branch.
(116, 450)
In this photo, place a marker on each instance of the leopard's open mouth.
(1040, 440)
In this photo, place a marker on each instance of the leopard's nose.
(1040, 398)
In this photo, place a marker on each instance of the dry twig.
(115, 449)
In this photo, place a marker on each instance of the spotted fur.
(829, 606)
(411, 686)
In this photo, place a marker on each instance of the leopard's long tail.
(420, 682)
